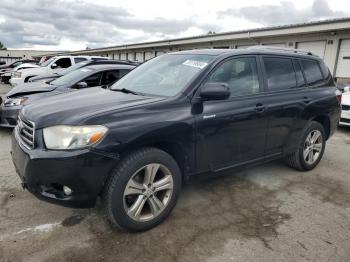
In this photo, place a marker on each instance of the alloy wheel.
(313, 147)
(148, 192)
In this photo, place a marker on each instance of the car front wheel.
(143, 190)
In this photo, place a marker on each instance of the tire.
(297, 160)
(128, 188)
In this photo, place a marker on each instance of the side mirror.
(347, 89)
(54, 65)
(81, 85)
(215, 91)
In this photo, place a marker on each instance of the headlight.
(17, 74)
(73, 137)
(15, 101)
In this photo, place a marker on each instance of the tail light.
(338, 94)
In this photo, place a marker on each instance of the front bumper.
(16, 81)
(9, 115)
(44, 173)
(345, 118)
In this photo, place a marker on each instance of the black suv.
(177, 115)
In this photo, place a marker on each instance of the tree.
(2, 46)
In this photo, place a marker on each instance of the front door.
(232, 131)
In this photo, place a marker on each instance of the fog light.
(67, 191)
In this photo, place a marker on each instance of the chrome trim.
(25, 132)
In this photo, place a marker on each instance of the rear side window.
(299, 74)
(279, 73)
(79, 59)
(312, 71)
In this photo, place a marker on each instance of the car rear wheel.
(311, 148)
(143, 190)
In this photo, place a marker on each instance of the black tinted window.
(299, 74)
(240, 74)
(312, 71)
(79, 59)
(63, 62)
(279, 73)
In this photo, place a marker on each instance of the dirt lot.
(265, 213)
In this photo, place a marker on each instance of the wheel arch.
(26, 79)
(175, 149)
(324, 120)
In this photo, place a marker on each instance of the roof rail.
(281, 49)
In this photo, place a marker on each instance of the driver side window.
(63, 62)
(93, 80)
(240, 75)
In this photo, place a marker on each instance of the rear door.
(232, 131)
(285, 99)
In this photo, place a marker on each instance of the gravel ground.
(266, 213)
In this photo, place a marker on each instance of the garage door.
(343, 65)
(243, 46)
(131, 56)
(123, 56)
(315, 47)
(148, 55)
(139, 56)
(283, 45)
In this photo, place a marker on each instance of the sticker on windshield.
(193, 63)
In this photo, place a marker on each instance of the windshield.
(74, 67)
(166, 75)
(16, 63)
(47, 62)
(72, 77)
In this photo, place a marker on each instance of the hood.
(4, 66)
(30, 88)
(75, 107)
(34, 71)
(345, 100)
(44, 78)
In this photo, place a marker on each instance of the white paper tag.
(193, 63)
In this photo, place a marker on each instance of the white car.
(17, 72)
(53, 65)
(345, 105)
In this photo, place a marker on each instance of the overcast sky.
(74, 25)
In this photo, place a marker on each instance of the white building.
(12, 55)
(330, 39)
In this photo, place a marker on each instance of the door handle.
(307, 100)
(259, 108)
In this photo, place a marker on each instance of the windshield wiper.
(127, 91)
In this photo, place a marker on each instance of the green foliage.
(2, 46)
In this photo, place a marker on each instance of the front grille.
(26, 132)
(345, 107)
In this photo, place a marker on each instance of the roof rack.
(281, 49)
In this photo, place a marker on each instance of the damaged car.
(174, 117)
(90, 76)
